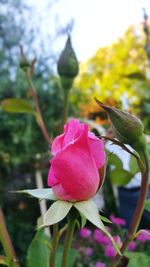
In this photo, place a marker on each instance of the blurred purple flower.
(100, 238)
(110, 251)
(85, 232)
(132, 246)
(99, 264)
(88, 251)
(117, 220)
(144, 236)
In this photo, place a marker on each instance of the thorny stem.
(54, 245)
(40, 120)
(7, 244)
(138, 211)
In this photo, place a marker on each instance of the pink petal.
(52, 180)
(97, 149)
(57, 144)
(71, 132)
(61, 193)
(78, 173)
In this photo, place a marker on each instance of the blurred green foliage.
(118, 75)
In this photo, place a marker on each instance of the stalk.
(138, 211)
(40, 120)
(7, 244)
(65, 108)
(68, 240)
(54, 245)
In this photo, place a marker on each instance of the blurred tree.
(115, 73)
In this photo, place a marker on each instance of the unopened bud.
(67, 65)
(24, 64)
(127, 128)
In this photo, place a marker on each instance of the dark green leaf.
(120, 176)
(136, 75)
(39, 251)
(16, 105)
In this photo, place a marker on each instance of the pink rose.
(77, 167)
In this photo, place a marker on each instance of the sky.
(97, 23)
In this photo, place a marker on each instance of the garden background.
(116, 70)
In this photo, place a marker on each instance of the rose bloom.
(77, 166)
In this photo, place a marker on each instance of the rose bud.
(127, 128)
(24, 64)
(67, 65)
(78, 157)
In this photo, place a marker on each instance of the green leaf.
(137, 75)
(39, 251)
(17, 105)
(120, 176)
(44, 193)
(57, 211)
(104, 219)
(138, 259)
(133, 165)
(115, 160)
(147, 205)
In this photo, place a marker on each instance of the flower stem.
(68, 240)
(39, 117)
(65, 108)
(54, 245)
(7, 244)
(138, 211)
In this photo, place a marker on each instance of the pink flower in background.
(117, 220)
(100, 238)
(110, 251)
(144, 236)
(99, 264)
(88, 251)
(77, 167)
(132, 246)
(85, 232)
